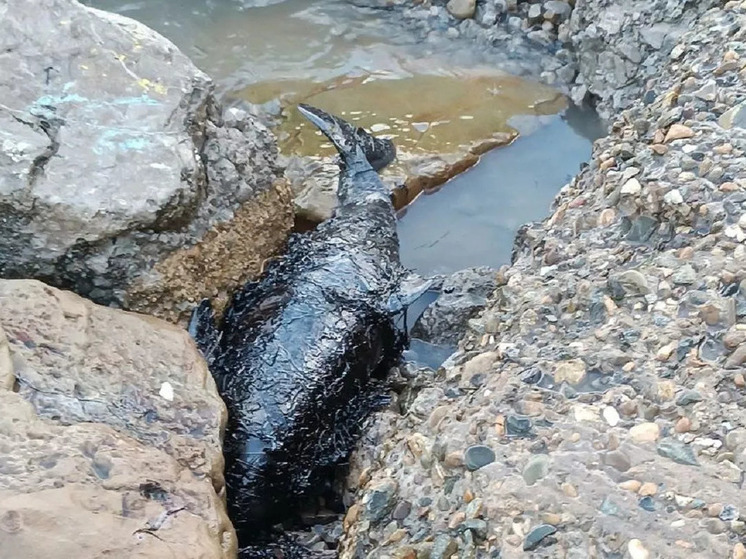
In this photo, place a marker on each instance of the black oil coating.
(297, 356)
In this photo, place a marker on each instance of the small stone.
(380, 501)
(645, 432)
(714, 510)
(637, 550)
(708, 92)
(443, 547)
(659, 149)
(739, 551)
(688, 397)
(454, 460)
(631, 485)
(478, 456)
(476, 526)
(617, 459)
(606, 217)
(167, 391)
(519, 427)
(677, 451)
(462, 9)
(534, 13)
(683, 425)
(569, 489)
(536, 468)
(673, 197)
(572, 371)
(729, 513)
(647, 503)
(666, 390)
(735, 117)
(648, 489)
(535, 536)
(456, 519)
(665, 352)
(585, 412)
(737, 358)
(611, 416)
(739, 380)
(632, 187)
(678, 132)
(556, 11)
(685, 275)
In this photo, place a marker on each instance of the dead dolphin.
(298, 352)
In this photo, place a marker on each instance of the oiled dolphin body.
(298, 352)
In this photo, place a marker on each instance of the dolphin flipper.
(411, 288)
(203, 330)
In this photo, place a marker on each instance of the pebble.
(632, 187)
(569, 489)
(443, 547)
(739, 551)
(678, 132)
(685, 275)
(611, 416)
(647, 489)
(677, 451)
(683, 425)
(688, 397)
(535, 536)
(618, 460)
(637, 550)
(478, 456)
(714, 509)
(645, 432)
(536, 468)
(631, 485)
(572, 372)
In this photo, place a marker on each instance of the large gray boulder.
(114, 154)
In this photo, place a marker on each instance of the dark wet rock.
(380, 501)
(476, 526)
(107, 165)
(647, 503)
(462, 296)
(402, 510)
(478, 456)
(688, 397)
(677, 451)
(518, 426)
(535, 537)
(729, 513)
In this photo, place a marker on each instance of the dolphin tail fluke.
(352, 143)
(333, 128)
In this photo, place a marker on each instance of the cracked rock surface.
(114, 155)
(110, 434)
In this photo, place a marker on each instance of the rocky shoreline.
(595, 408)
